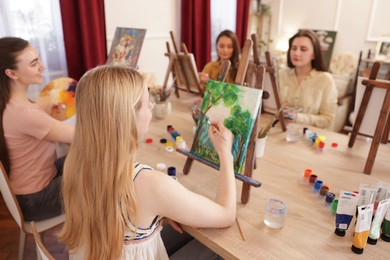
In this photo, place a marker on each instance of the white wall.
(358, 25)
(157, 17)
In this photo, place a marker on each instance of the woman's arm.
(60, 132)
(158, 194)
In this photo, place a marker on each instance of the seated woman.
(305, 86)
(28, 134)
(227, 49)
(115, 205)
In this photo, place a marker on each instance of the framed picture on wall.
(327, 41)
(383, 49)
(126, 46)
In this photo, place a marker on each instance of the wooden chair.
(41, 249)
(14, 208)
(383, 125)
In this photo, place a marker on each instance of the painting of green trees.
(237, 107)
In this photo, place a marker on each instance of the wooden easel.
(383, 125)
(180, 65)
(246, 176)
(271, 71)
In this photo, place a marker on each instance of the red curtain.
(84, 29)
(242, 17)
(195, 29)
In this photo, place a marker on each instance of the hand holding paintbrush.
(216, 131)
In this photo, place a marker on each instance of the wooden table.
(309, 229)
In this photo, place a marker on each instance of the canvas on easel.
(126, 46)
(234, 105)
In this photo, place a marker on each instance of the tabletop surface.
(308, 232)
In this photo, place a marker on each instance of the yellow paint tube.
(362, 227)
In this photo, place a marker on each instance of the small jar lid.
(161, 166)
(163, 140)
(149, 140)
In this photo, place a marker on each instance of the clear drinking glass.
(293, 134)
(275, 213)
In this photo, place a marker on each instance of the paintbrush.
(216, 130)
(239, 229)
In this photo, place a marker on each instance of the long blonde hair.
(98, 190)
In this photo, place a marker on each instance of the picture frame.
(126, 46)
(383, 49)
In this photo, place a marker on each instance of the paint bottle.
(323, 191)
(374, 233)
(172, 172)
(306, 175)
(362, 228)
(312, 179)
(317, 185)
(386, 227)
(329, 198)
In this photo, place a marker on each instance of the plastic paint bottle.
(317, 185)
(374, 233)
(306, 174)
(362, 228)
(172, 172)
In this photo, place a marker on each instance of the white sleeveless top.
(141, 243)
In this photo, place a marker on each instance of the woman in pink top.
(28, 134)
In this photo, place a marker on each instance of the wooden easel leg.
(385, 135)
(188, 165)
(246, 188)
(378, 134)
(360, 115)
(271, 72)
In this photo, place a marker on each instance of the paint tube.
(367, 194)
(381, 193)
(344, 213)
(374, 233)
(362, 227)
(386, 227)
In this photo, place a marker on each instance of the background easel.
(183, 69)
(246, 176)
(383, 125)
(271, 71)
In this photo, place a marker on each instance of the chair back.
(41, 249)
(10, 198)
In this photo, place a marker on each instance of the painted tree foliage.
(239, 121)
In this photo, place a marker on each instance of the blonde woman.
(115, 205)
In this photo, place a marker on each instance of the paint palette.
(60, 93)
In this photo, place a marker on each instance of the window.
(39, 22)
(223, 17)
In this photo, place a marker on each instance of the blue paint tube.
(375, 228)
(345, 209)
